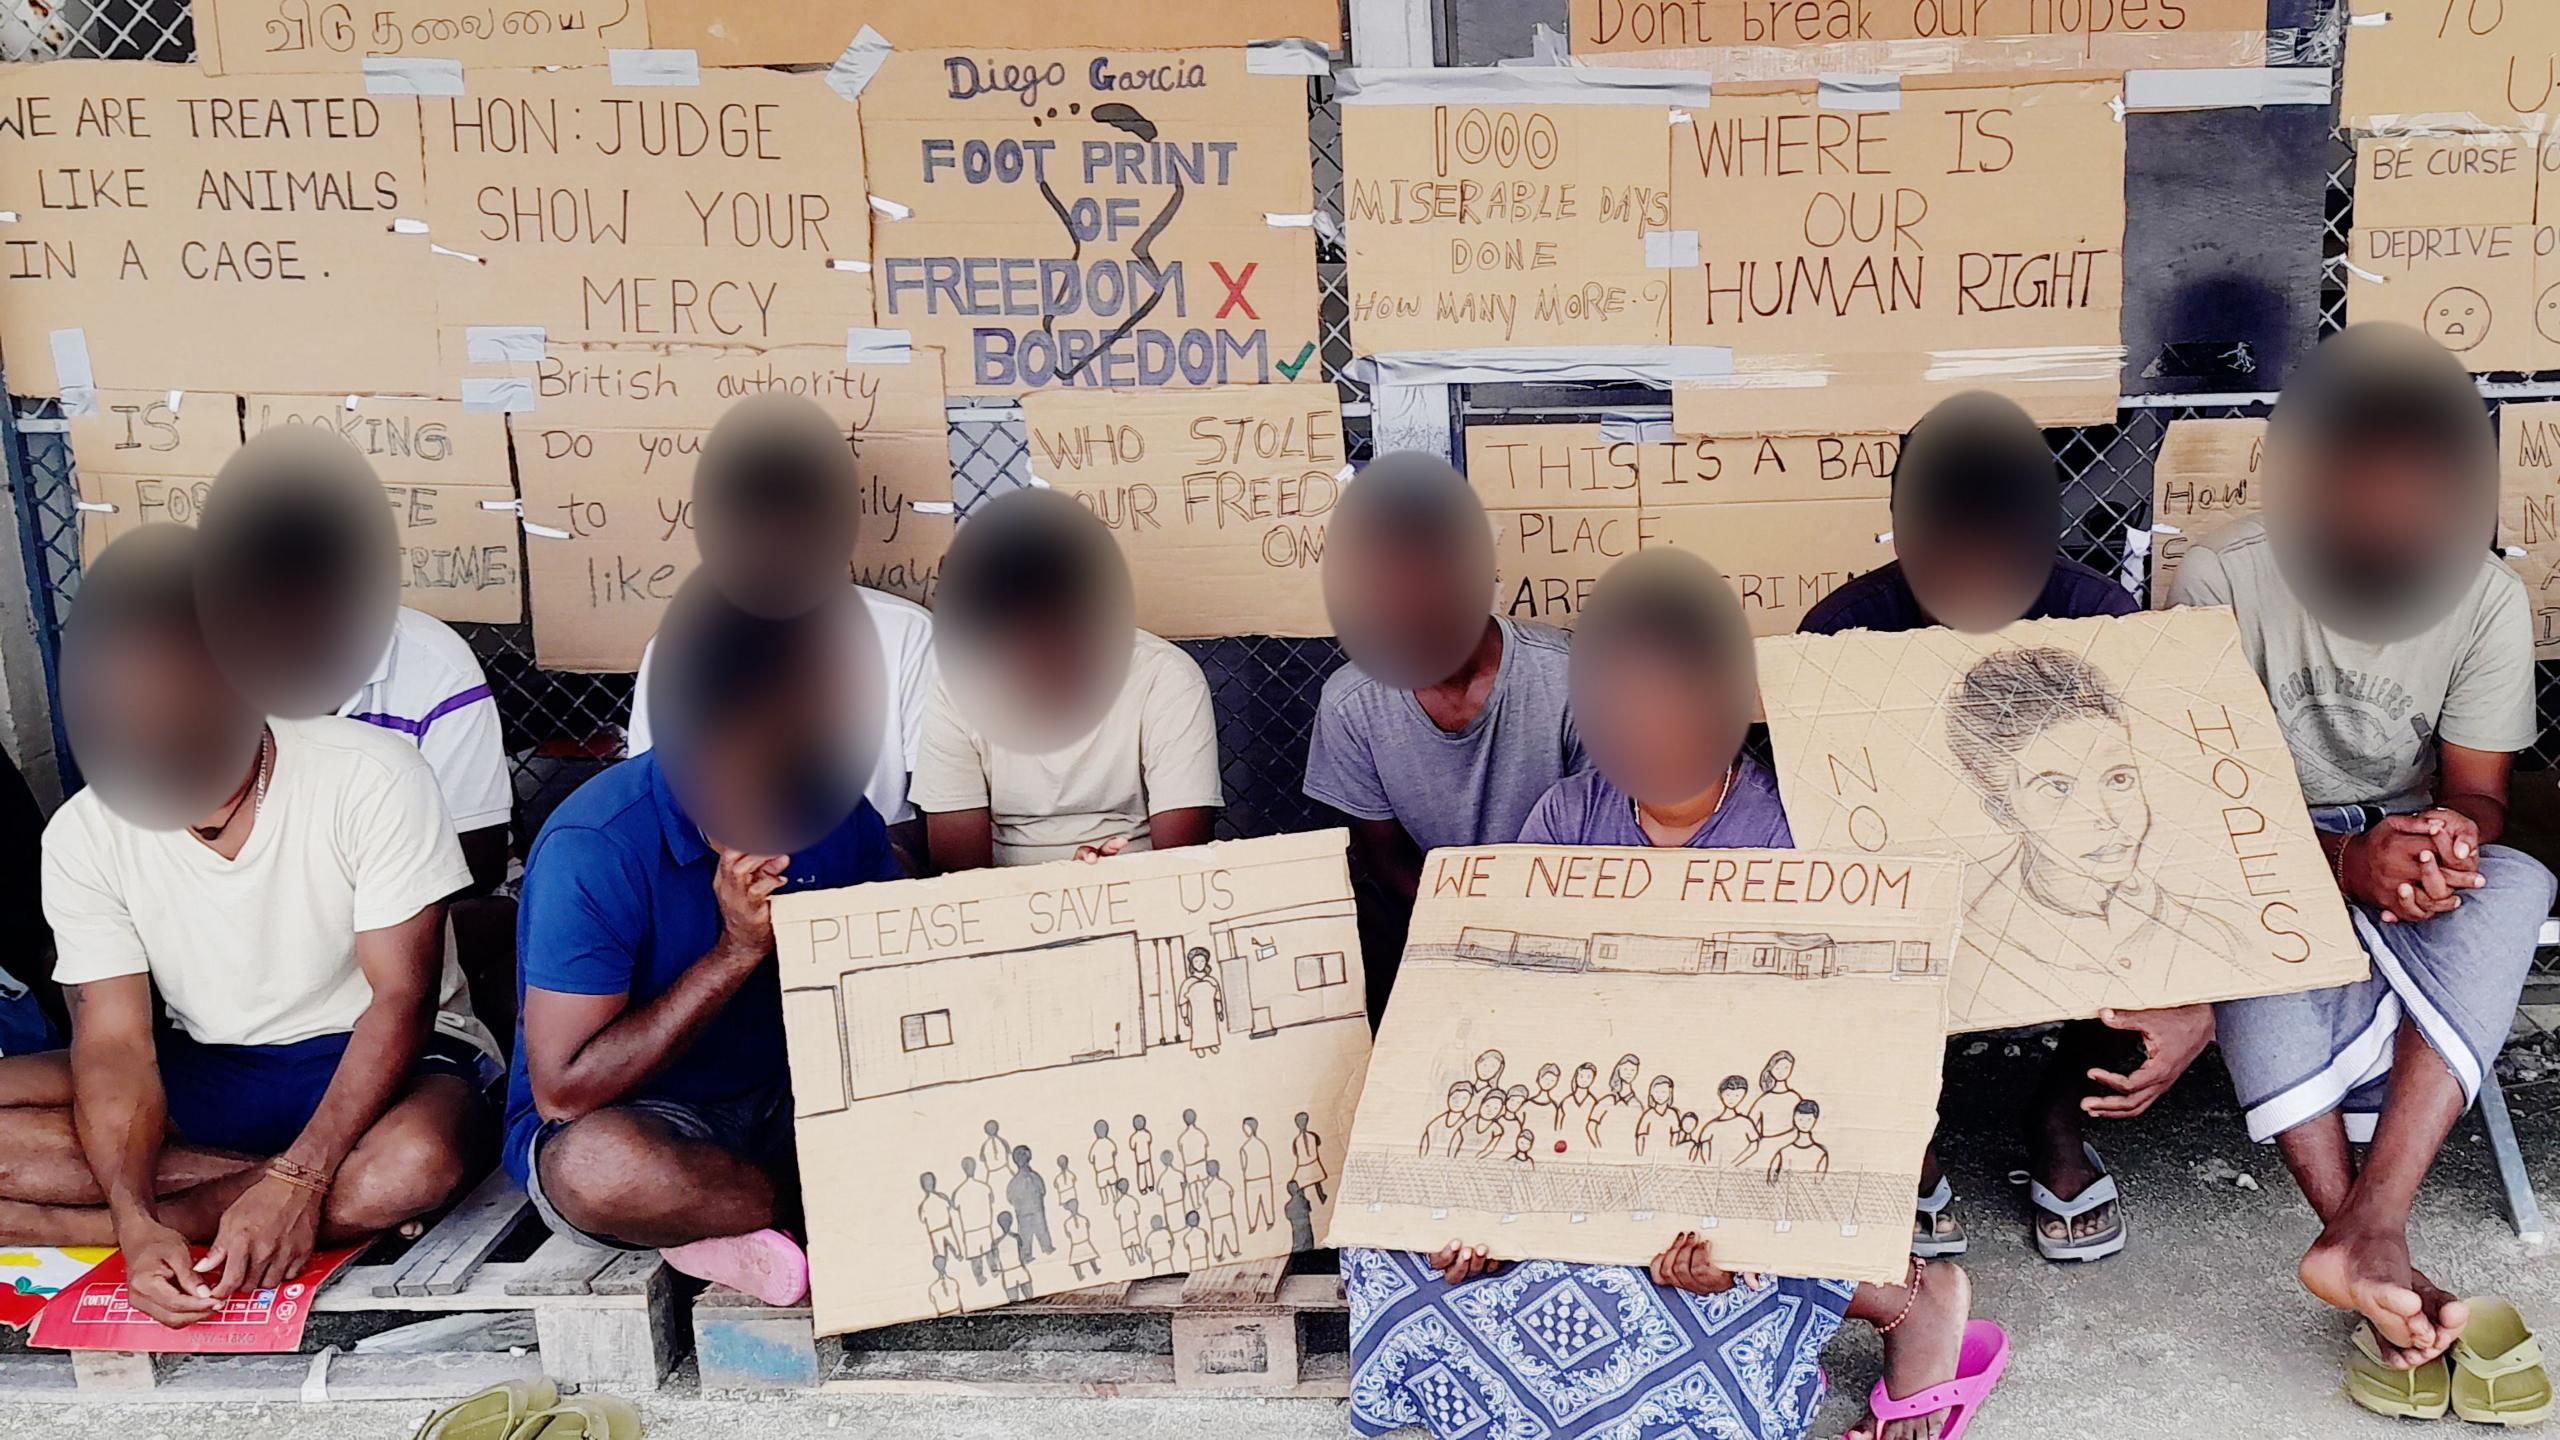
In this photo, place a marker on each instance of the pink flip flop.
(762, 1263)
(1978, 1367)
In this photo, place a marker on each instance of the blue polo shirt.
(617, 900)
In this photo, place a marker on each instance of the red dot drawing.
(1559, 1147)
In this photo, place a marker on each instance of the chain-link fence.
(560, 727)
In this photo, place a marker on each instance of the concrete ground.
(2198, 1329)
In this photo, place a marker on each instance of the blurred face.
(1406, 610)
(2075, 793)
(1658, 730)
(2382, 526)
(1972, 582)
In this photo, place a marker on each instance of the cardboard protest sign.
(591, 212)
(1594, 1049)
(2529, 512)
(137, 459)
(1020, 1081)
(1756, 40)
(1218, 497)
(253, 37)
(814, 32)
(2133, 831)
(1863, 265)
(1786, 518)
(2205, 477)
(1094, 217)
(606, 457)
(155, 432)
(2464, 64)
(2460, 242)
(1482, 225)
(177, 231)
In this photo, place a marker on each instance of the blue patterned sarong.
(1551, 1351)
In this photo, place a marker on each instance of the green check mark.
(1291, 368)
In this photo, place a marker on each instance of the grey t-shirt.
(1376, 755)
(2363, 720)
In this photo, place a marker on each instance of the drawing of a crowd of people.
(1174, 1205)
(1771, 1125)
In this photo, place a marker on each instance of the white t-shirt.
(261, 950)
(906, 655)
(1157, 749)
(430, 688)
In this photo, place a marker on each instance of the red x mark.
(1235, 290)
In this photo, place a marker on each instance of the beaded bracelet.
(1910, 1297)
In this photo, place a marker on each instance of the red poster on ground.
(95, 1315)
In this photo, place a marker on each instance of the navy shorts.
(756, 1127)
(255, 1099)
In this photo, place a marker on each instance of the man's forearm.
(121, 1116)
(388, 1038)
(636, 1044)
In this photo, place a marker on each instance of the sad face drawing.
(2459, 318)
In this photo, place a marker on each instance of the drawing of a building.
(1807, 956)
(1099, 998)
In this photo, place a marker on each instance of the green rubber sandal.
(2420, 1394)
(493, 1414)
(2498, 1377)
(582, 1417)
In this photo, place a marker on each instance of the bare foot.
(1922, 1351)
(2367, 1271)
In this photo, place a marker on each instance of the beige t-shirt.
(1157, 749)
(2363, 720)
(261, 949)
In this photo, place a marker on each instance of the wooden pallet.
(1234, 1331)
(605, 1318)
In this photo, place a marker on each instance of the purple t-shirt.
(1586, 809)
(1882, 600)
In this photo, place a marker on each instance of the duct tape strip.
(2155, 90)
(890, 209)
(1287, 57)
(933, 507)
(1319, 221)
(406, 226)
(94, 507)
(1524, 85)
(497, 395)
(1624, 430)
(72, 374)
(1656, 365)
(2096, 364)
(655, 67)
(860, 61)
(1547, 43)
(502, 344)
(1844, 91)
(878, 347)
(411, 75)
(1670, 249)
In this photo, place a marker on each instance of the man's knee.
(2508, 910)
(399, 1174)
(35, 1143)
(594, 1168)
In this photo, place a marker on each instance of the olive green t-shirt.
(2364, 720)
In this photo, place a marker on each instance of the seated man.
(906, 652)
(429, 688)
(1031, 751)
(2399, 656)
(650, 1102)
(1448, 723)
(320, 1078)
(1976, 506)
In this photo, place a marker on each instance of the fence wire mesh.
(560, 728)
